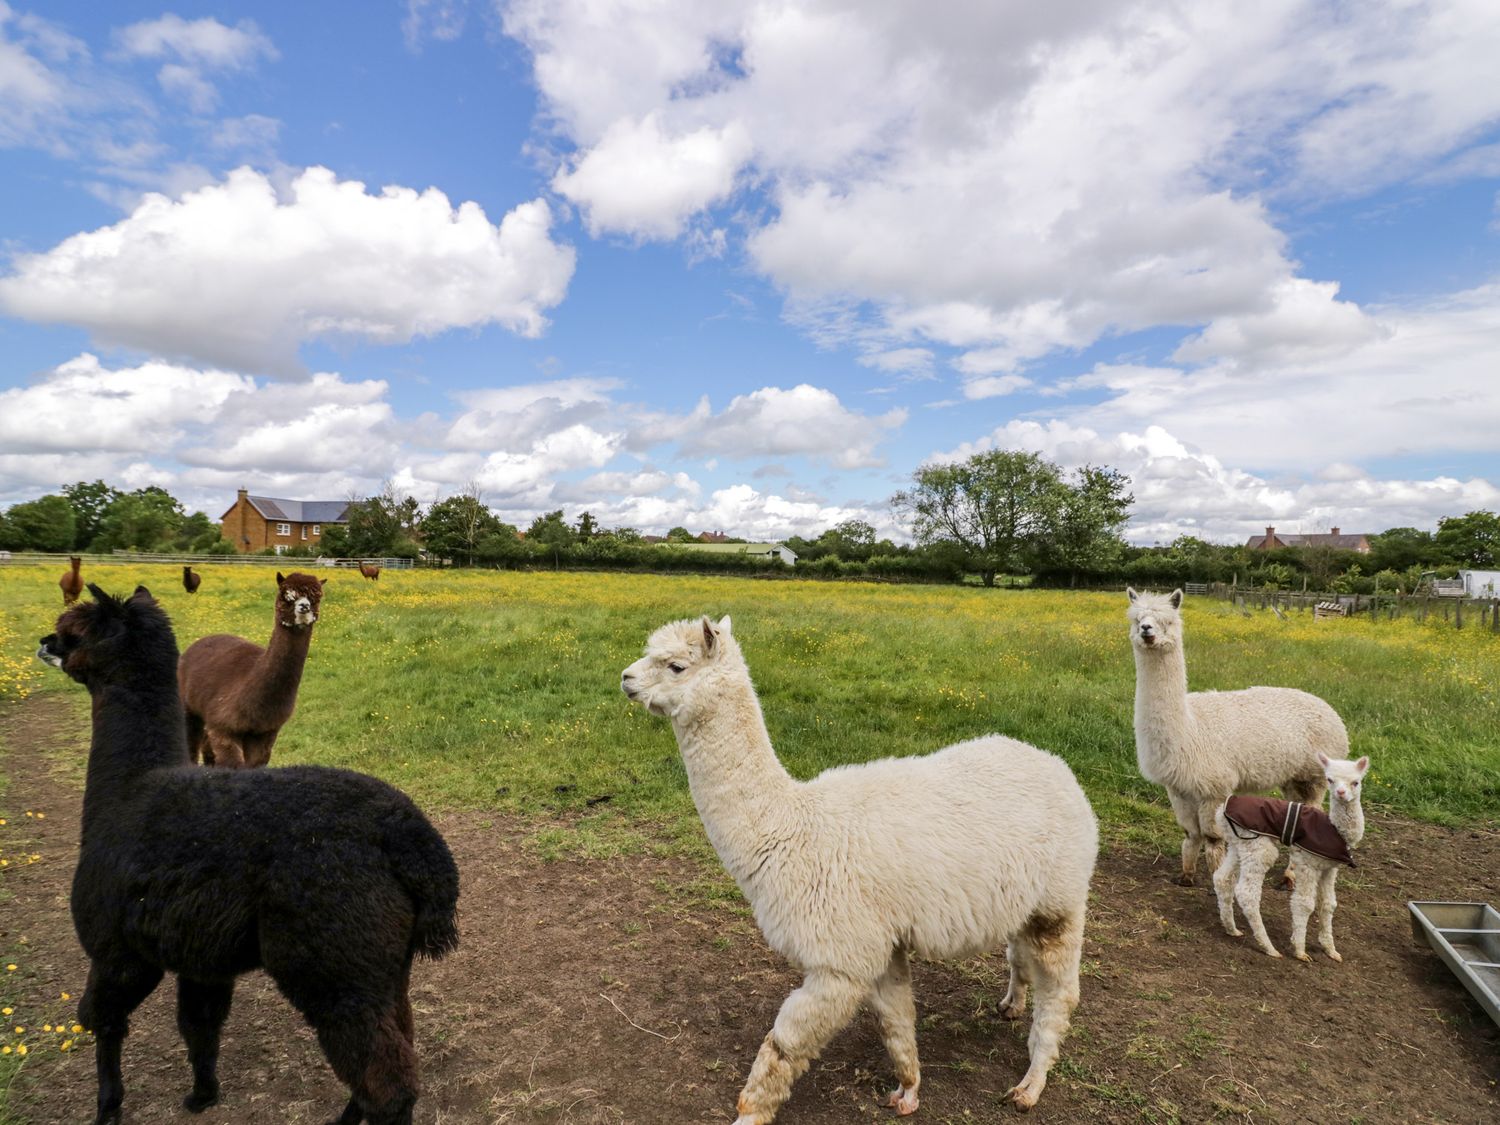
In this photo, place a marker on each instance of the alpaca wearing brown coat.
(237, 695)
(72, 581)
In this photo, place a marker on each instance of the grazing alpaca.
(237, 695)
(984, 843)
(329, 880)
(72, 581)
(370, 570)
(1249, 856)
(190, 581)
(1204, 746)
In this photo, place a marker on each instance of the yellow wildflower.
(20, 1030)
(4, 1050)
(46, 1027)
(10, 968)
(6, 1011)
(65, 996)
(77, 1027)
(21, 1050)
(66, 1043)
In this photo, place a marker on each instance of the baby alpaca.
(1241, 876)
(1204, 746)
(985, 843)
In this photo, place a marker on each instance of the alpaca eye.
(676, 667)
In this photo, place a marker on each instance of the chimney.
(1270, 538)
(1333, 531)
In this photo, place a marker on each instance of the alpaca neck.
(75, 564)
(278, 672)
(1349, 818)
(1161, 697)
(742, 791)
(135, 730)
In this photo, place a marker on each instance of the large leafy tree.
(998, 506)
(144, 520)
(1472, 539)
(1401, 548)
(1089, 512)
(454, 528)
(382, 525)
(44, 524)
(90, 500)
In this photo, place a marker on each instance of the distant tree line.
(92, 516)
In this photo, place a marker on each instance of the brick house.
(1334, 538)
(254, 523)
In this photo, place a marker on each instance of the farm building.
(254, 523)
(786, 554)
(1481, 583)
(1334, 538)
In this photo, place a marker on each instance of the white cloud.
(328, 260)
(1028, 179)
(776, 422)
(440, 20)
(199, 47)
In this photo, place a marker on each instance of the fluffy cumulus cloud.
(1028, 179)
(324, 258)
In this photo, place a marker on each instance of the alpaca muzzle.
(45, 654)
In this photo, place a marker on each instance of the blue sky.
(747, 265)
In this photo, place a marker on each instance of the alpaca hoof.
(1334, 955)
(1012, 1011)
(1235, 932)
(199, 1100)
(1186, 880)
(903, 1101)
(1021, 1098)
(1303, 956)
(1272, 952)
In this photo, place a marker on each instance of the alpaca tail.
(426, 870)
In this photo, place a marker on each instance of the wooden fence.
(1483, 613)
(286, 562)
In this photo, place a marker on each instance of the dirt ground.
(609, 992)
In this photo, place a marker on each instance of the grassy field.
(500, 691)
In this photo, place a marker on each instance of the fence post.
(1458, 614)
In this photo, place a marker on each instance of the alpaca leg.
(1327, 902)
(1013, 1003)
(808, 1019)
(113, 991)
(1304, 902)
(197, 746)
(1208, 828)
(1224, 878)
(258, 748)
(1255, 861)
(1185, 809)
(892, 1000)
(202, 1008)
(1051, 948)
(226, 749)
(369, 1052)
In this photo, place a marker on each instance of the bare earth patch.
(607, 991)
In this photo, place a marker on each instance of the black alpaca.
(330, 880)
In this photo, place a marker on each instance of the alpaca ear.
(724, 624)
(110, 603)
(1323, 759)
(322, 581)
(710, 637)
(1362, 765)
(142, 595)
(1176, 599)
(1130, 593)
(280, 579)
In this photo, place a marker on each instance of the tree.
(680, 535)
(90, 500)
(382, 525)
(587, 527)
(1472, 539)
(454, 528)
(1090, 511)
(143, 520)
(851, 540)
(1401, 548)
(44, 524)
(997, 505)
(552, 531)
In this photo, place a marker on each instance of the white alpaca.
(849, 874)
(1242, 874)
(1205, 746)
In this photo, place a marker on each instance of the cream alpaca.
(849, 874)
(1206, 746)
(1242, 875)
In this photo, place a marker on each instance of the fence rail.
(1460, 612)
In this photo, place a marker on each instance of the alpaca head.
(1343, 776)
(1155, 623)
(682, 660)
(112, 641)
(297, 607)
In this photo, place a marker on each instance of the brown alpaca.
(72, 581)
(370, 570)
(190, 580)
(238, 695)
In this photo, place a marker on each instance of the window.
(281, 548)
(304, 531)
(283, 529)
(317, 529)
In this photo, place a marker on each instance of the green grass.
(493, 690)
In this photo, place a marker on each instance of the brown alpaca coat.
(237, 695)
(72, 581)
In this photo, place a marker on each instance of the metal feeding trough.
(1466, 936)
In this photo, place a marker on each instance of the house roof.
(300, 511)
(1339, 542)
